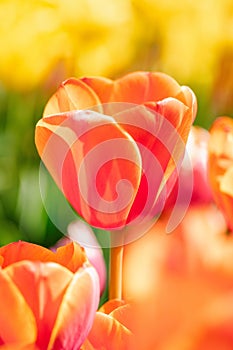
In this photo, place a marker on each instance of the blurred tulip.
(78, 231)
(89, 153)
(197, 149)
(177, 279)
(214, 330)
(48, 300)
(193, 173)
(221, 165)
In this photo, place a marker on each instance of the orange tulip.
(48, 300)
(221, 165)
(109, 144)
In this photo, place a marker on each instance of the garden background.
(43, 42)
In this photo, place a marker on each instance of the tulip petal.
(156, 129)
(110, 329)
(81, 232)
(18, 251)
(138, 87)
(111, 305)
(19, 346)
(72, 256)
(17, 323)
(77, 311)
(109, 334)
(187, 96)
(101, 86)
(48, 283)
(72, 94)
(94, 162)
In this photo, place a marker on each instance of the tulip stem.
(115, 272)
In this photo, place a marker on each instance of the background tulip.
(58, 308)
(221, 165)
(193, 173)
(180, 281)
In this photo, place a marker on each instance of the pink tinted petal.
(77, 311)
(82, 233)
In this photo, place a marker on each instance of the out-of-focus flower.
(89, 153)
(78, 231)
(221, 165)
(110, 328)
(59, 38)
(193, 173)
(48, 300)
(197, 150)
(179, 280)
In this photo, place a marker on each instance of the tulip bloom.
(48, 300)
(111, 146)
(221, 165)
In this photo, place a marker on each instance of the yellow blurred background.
(46, 41)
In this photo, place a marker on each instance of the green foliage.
(22, 215)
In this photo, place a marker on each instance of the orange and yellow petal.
(77, 311)
(72, 94)
(107, 333)
(17, 322)
(71, 255)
